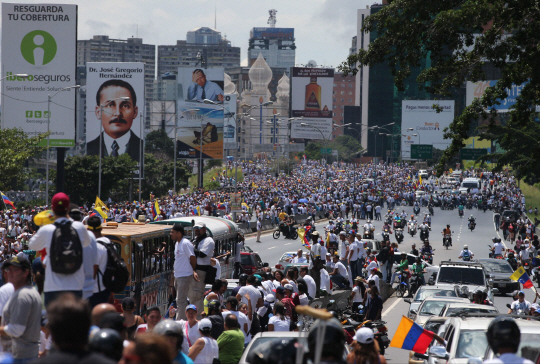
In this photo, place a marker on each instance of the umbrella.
(303, 200)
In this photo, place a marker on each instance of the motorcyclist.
(424, 229)
(410, 223)
(498, 247)
(472, 220)
(402, 266)
(426, 248)
(330, 226)
(512, 260)
(387, 226)
(460, 209)
(418, 268)
(478, 297)
(368, 227)
(414, 251)
(427, 219)
(448, 232)
(466, 254)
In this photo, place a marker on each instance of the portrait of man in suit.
(201, 89)
(117, 119)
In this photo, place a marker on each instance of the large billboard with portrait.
(40, 41)
(426, 123)
(229, 127)
(114, 109)
(312, 100)
(200, 123)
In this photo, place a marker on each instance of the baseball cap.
(205, 325)
(364, 336)
(17, 261)
(280, 290)
(521, 293)
(191, 307)
(258, 277)
(315, 233)
(342, 233)
(289, 287)
(269, 298)
(199, 225)
(60, 202)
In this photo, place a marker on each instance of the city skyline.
(323, 33)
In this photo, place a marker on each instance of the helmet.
(503, 331)
(170, 328)
(428, 215)
(478, 292)
(334, 313)
(368, 221)
(495, 239)
(213, 305)
(107, 342)
(465, 247)
(334, 339)
(242, 279)
(274, 352)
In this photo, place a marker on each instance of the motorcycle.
(431, 210)
(492, 255)
(399, 235)
(412, 230)
(403, 286)
(472, 224)
(484, 207)
(380, 332)
(416, 210)
(368, 233)
(527, 266)
(414, 283)
(424, 234)
(280, 230)
(446, 241)
(386, 235)
(460, 213)
(428, 257)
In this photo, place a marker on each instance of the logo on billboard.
(38, 47)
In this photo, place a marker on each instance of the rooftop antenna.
(215, 16)
(272, 18)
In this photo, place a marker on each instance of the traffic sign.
(326, 150)
(472, 154)
(421, 151)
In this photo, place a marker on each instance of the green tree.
(159, 176)
(159, 144)
(15, 149)
(82, 176)
(347, 147)
(462, 39)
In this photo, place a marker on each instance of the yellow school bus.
(151, 263)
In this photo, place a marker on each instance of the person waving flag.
(7, 201)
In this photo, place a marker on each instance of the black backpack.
(66, 252)
(116, 275)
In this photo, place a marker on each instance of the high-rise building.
(343, 95)
(101, 48)
(203, 46)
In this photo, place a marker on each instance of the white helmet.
(465, 247)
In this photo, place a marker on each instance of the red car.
(251, 262)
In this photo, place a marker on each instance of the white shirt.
(55, 281)
(242, 319)
(89, 260)
(508, 358)
(325, 280)
(299, 260)
(343, 247)
(279, 324)
(254, 295)
(208, 352)
(358, 295)
(6, 291)
(192, 333)
(353, 250)
(469, 251)
(311, 286)
(525, 306)
(375, 278)
(342, 270)
(102, 257)
(182, 251)
(498, 247)
(206, 246)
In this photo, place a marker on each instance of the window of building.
(342, 85)
(342, 100)
(350, 92)
(350, 85)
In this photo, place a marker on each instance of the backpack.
(116, 275)
(66, 252)
(466, 256)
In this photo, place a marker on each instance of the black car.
(499, 270)
(512, 215)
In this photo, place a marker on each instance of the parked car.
(251, 262)
(499, 271)
(432, 306)
(425, 292)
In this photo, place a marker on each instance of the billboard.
(163, 116)
(229, 128)
(477, 90)
(122, 120)
(200, 125)
(40, 41)
(427, 124)
(311, 94)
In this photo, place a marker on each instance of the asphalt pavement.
(270, 250)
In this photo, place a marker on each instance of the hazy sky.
(323, 28)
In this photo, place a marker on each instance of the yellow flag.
(101, 205)
(44, 218)
(420, 179)
(451, 170)
(100, 212)
(158, 212)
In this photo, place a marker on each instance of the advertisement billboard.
(229, 133)
(312, 99)
(477, 90)
(426, 123)
(41, 42)
(200, 124)
(121, 121)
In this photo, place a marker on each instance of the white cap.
(269, 298)
(205, 324)
(465, 246)
(199, 225)
(363, 336)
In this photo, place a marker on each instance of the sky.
(323, 28)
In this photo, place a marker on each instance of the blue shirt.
(211, 89)
(182, 358)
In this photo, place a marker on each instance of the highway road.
(271, 250)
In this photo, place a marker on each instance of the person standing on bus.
(184, 269)
(204, 250)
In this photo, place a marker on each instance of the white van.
(470, 184)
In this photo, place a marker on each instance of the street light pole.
(106, 103)
(326, 149)
(49, 97)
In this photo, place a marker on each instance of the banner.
(312, 90)
(426, 123)
(121, 121)
(40, 41)
(229, 127)
(200, 124)
(477, 90)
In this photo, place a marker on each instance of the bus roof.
(214, 225)
(131, 229)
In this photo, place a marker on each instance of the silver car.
(427, 291)
(432, 306)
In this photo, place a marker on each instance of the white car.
(458, 308)
(529, 344)
(427, 291)
(432, 306)
(283, 261)
(423, 173)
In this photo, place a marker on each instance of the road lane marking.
(391, 307)
(287, 244)
(272, 247)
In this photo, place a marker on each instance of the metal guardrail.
(24, 196)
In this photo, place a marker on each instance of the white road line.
(287, 244)
(272, 247)
(391, 307)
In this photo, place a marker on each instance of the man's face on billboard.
(200, 78)
(118, 114)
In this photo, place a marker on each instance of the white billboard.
(108, 84)
(229, 127)
(426, 123)
(39, 40)
(312, 100)
(200, 124)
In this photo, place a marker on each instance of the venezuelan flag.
(7, 201)
(522, 277)
(155, 209)
(100, 212)
(411, 336)
(302, 235)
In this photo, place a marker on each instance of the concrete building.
(203, 46)
(343, 95)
